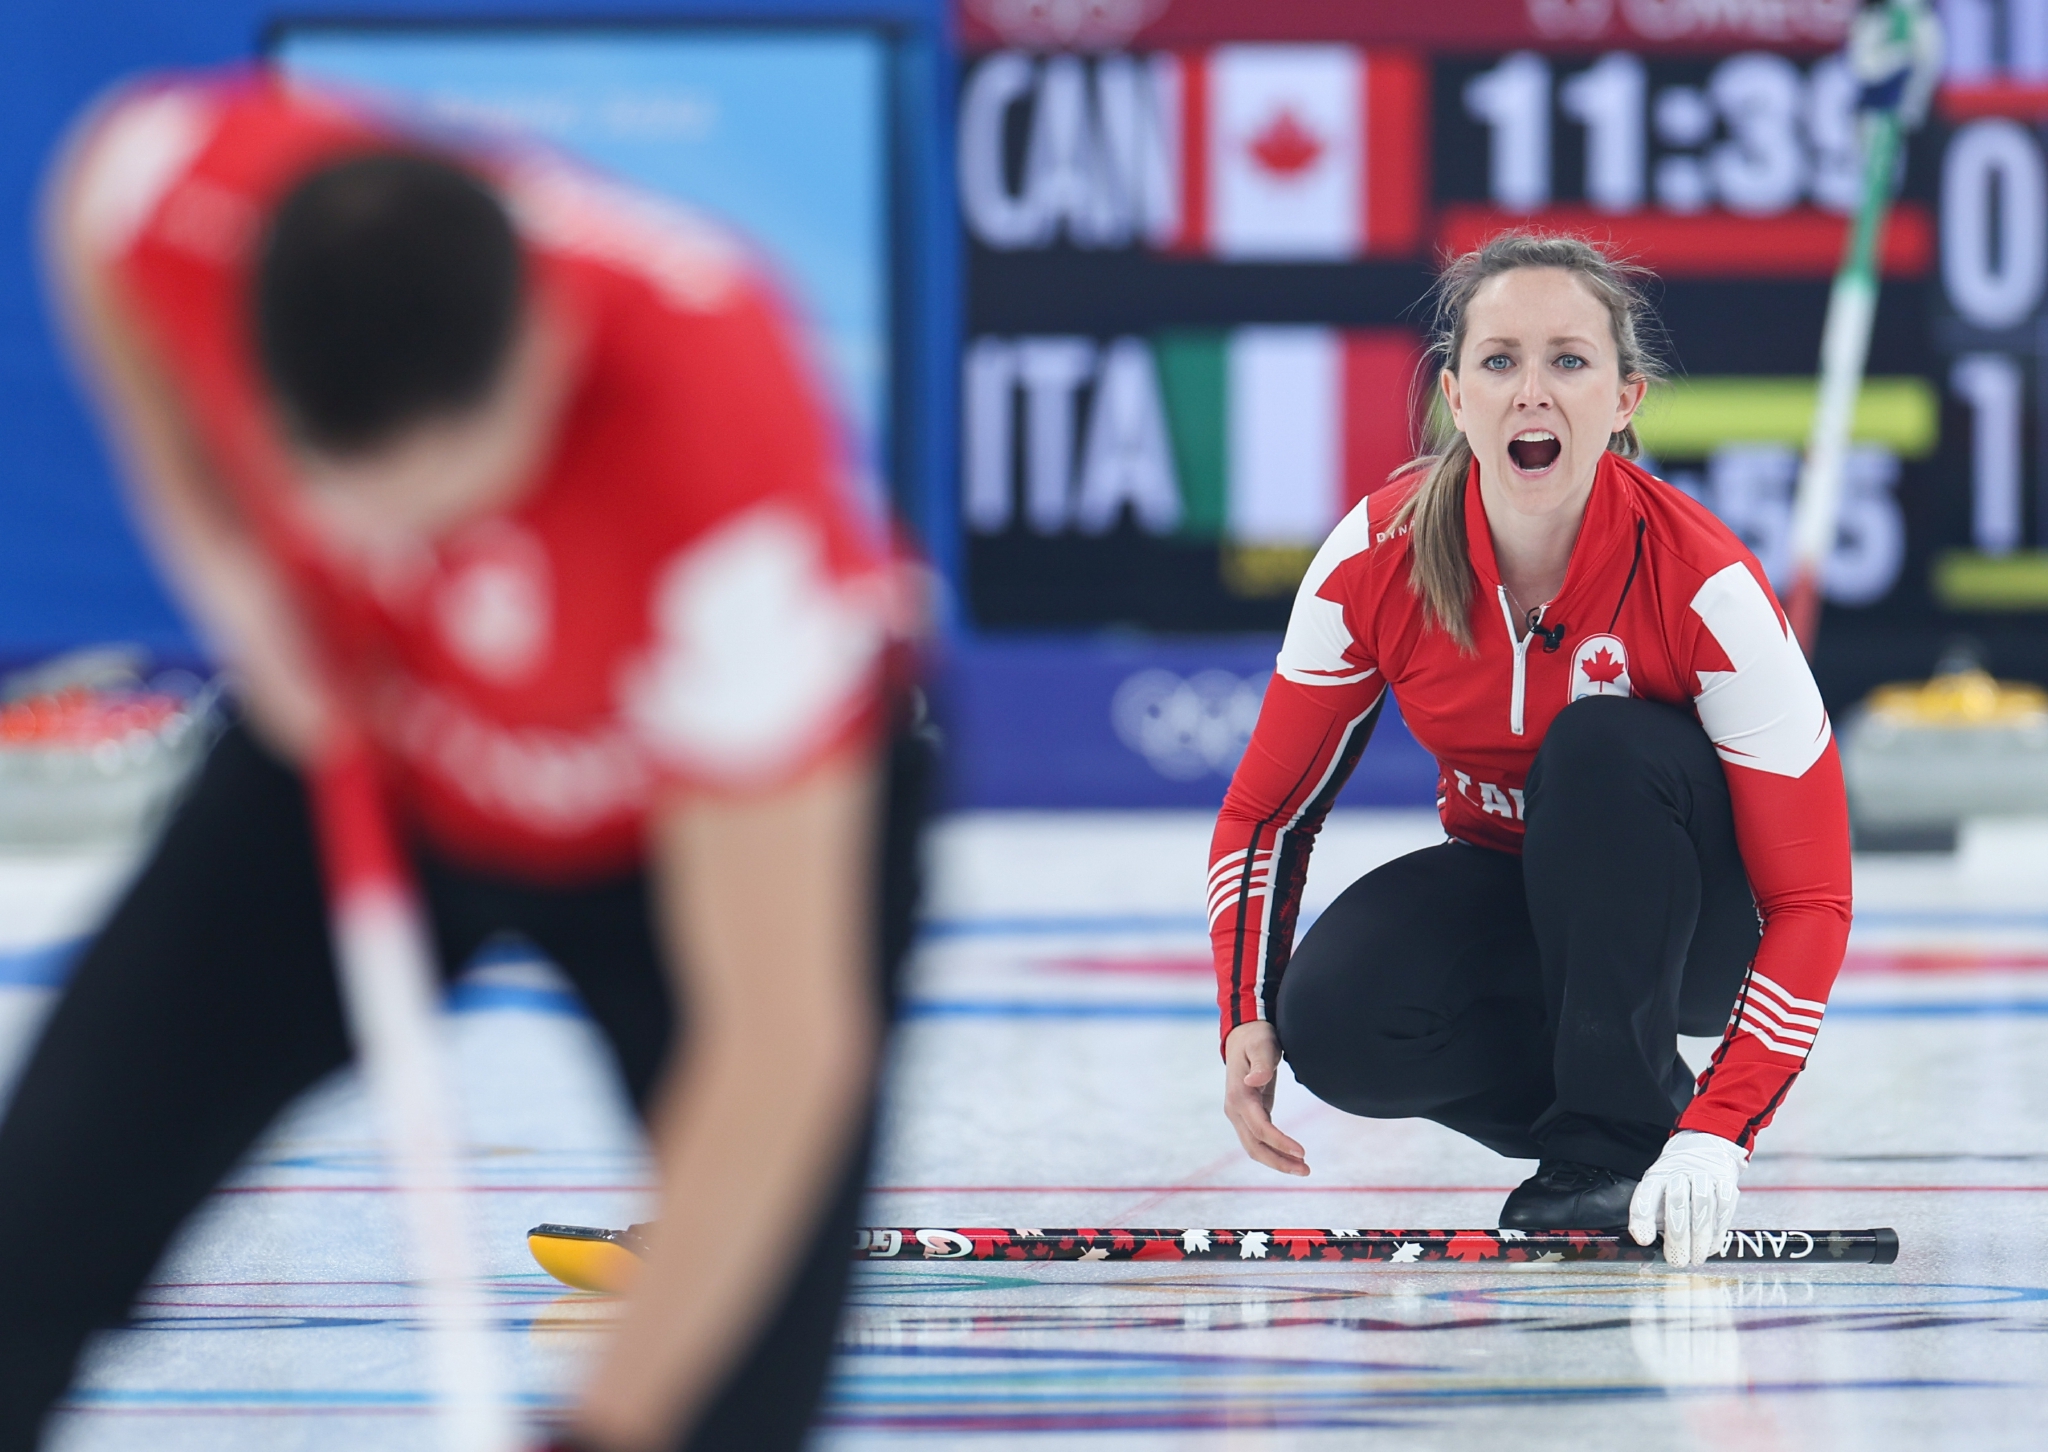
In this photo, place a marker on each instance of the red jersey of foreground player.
(1660, 601)
(684, 595)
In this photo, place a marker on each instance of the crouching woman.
(1647, 829)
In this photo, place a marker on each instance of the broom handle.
(390, 992)
(1844, 349)
(1394, 1247)
(1904, 36)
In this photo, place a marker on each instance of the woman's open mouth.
(1534, 450)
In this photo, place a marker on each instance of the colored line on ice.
(1109, 1008)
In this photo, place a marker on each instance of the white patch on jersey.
(1312, 653)
(1766, 713)
(495, 612)
(1600, 668)
(142, 148)
(755, 651)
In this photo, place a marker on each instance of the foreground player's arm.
(765, 913)
(1319, 711)
(187, 512)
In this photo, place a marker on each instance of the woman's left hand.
(1690, 1195)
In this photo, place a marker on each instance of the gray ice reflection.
(1683, 1330)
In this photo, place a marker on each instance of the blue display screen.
(780, 135)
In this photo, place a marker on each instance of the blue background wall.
(70, 569)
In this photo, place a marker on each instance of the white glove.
(1690, 1195)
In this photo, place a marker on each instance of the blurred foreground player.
(1648, 830)
(518, 473)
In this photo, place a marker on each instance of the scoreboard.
(1197, 232)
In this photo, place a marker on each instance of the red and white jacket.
(685, 596)
(1660, 601)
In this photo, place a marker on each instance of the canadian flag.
(1280, 158)
(1286, 151)
(1289, 153)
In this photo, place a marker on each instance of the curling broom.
(591, 1259)
(1394, 1247)
(389, 990)
(1904, 35)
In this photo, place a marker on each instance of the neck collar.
(1608, 525)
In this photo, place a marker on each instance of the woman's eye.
(1498, 363)
(1571, 360)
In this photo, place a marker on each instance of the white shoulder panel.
(141, 149)
(1766, 713)
(1312, 654)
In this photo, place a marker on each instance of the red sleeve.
(1320, 708)
(1303, 749)
(1759, 705)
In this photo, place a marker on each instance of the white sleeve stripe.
(1224, 882)
(1224, 865)
(1766, 713)
(1776, 1045)
(1232, 863)
(1751, 1014)
(1761, 1010)
(1788, 999)
(1223, 896)
(1765, 1003)
(1217, 910)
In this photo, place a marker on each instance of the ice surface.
(1058, 1067)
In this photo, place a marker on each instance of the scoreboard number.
(1759, 137)
(1994, 223)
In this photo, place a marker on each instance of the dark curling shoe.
(1566, 1195)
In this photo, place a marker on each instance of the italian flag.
(1296, 152)
(1278, 431)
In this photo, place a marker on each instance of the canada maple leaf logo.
(1300, 1243)
(1601, 666)
(1286, 147)
(1469, 1245)
(986, 1241)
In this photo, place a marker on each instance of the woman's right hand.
(1251, 1062)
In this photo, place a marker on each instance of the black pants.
(209, 1001)
(1533, 1002)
